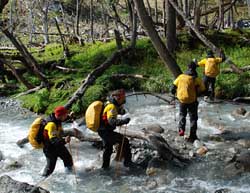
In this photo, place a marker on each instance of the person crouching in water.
(188, 86)
(109, 121)
(54, 144)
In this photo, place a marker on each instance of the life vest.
(211, 66)
(35, 135)
(93, 115)
(187, 88)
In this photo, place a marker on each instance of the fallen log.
(229, 70)
(239, 99)
(92, 76)
(30, 90)
(157, 142)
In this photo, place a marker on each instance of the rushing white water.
(201, 177)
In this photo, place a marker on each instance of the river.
(202, 177)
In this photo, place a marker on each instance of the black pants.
(209, 81)
(52, 153)
(111, 138)
(192, 110)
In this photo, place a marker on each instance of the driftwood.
(64, 69)
(203, 38)
(31, 90)
(237, 99)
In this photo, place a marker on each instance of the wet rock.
(243, 160)
(155, 165)
(156, 128)
(244, 142)
(217, 138)
(223, 190)
(238, 165)
(13, 165)
(202, 150)
(151, 184)
(7, 184)
(197, 144)
(1, 156)
(239, 112)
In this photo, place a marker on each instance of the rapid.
(200, 177)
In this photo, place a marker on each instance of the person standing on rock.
(54, 144)
(109, 121)
(187, 87)
(211, 71)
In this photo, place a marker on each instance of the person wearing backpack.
(187, 87)
(211, 71)
(108, 124)
(54, 144)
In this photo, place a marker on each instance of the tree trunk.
(156, 40)
(31, 22)
(164, 15)
(105, 19)
(2, 4)
(92, 22)
(197, 13)
(156, 11)
(19, 77)
(204, 39)
(221, 15)
(45, 21)
(29, 60)
(66, 53)
(149, 9)
(133, 23)
(171, 28)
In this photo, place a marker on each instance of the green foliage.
(37, 102)
(143, 61)
(52, 52)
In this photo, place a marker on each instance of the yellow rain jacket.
(211, 66)
(188, 88)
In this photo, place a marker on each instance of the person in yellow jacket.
(109, 121)
(54, 144)
(211, 71)
(187, 87)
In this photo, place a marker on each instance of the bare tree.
(18, 76)
(171, 28)
(156, 40)
(44, 8)
(29, 61)
(91, 13)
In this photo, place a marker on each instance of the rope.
(38, 184)
(121, 150)
(74, 169)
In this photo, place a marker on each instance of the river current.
(15, 121)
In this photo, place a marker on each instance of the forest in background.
(74, 52)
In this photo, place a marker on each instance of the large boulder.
(8, 185)
(238, 165)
